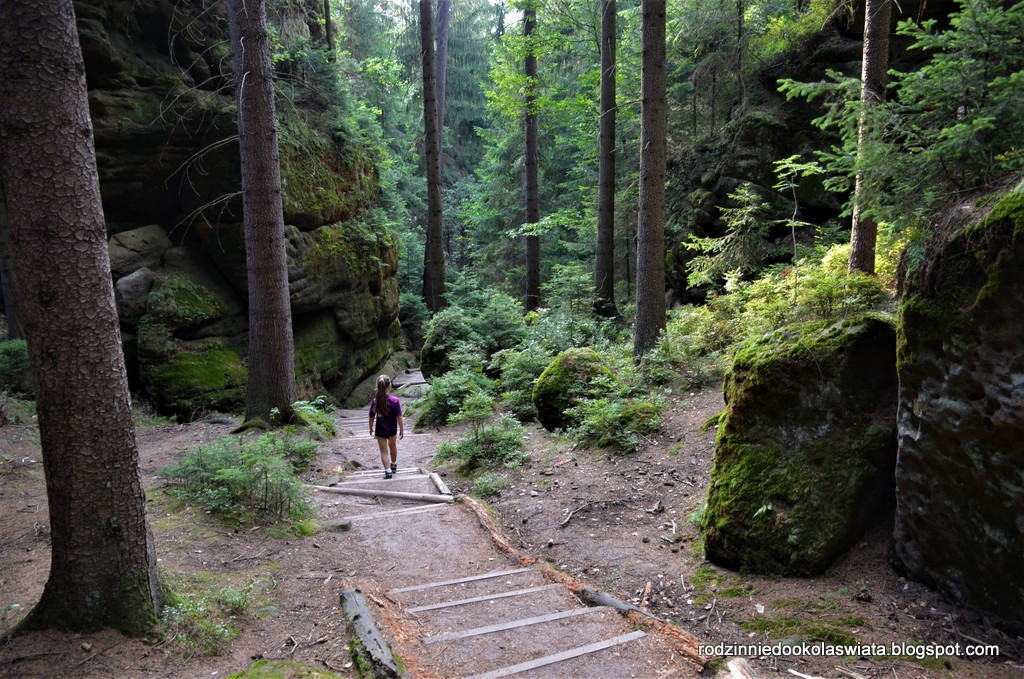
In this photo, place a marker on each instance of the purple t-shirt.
(387, 424)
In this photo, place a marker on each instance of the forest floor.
(625, 525)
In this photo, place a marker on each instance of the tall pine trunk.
(328, 33)
(532, 162)
(650, 247)
(604, 261)
(271, 346)
(103, 568)
(433, 254)
(443, 15)
(874, 70)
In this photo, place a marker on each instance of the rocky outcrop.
(806, 448)
(960, 476)
(163, 115)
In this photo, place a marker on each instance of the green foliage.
(316, 415)
(489, 445)
(954, 126)
(615, 423)
(447, 395)
(518, 371)
(488, 484)
(743, 250)
(199, 617)
(15, 373)
(476, 321)
(250, 481)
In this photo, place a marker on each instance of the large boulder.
(960, 477)
(573, 375)
(135, 249)
(806, 447)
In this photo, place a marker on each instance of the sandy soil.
(624, 525)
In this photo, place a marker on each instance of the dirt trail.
(454, 604)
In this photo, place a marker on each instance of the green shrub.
(477, 321)
(447, 395)
(245, 481)
(199, 617)
(317, 416)
(490, 483)
(15, 373)
(490, 445)
(517, 374)
(614, 423)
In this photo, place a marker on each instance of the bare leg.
(382, 443)
(393, 445)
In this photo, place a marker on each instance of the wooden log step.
(459, 581)
(559, 657)
(397, 494)
(477, 599)
(513, 624)
(380, 472)
(379, 478)
(442, 487)
(395, 512)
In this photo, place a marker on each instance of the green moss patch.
(574, 374)
(189, 382)
(282, 669)
(805, 453)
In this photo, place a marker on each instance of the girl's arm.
(401, 427)
(371, 424)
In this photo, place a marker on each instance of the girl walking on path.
(387, 411)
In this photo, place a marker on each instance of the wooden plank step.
(559, 657)
(477, 599)
(513, 624)
(395, 512)
(459, 581)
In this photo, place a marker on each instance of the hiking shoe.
(394, 468)
(387, 474)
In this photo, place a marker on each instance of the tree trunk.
(103, 569)
(604, 261)
(873, 79)
(8, 283)
(327, 30)
(532, 163)
(433, 254)
(650, 248)
(271, 346)
(443, 13)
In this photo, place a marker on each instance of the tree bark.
(604, 261)
(433, 254)
(103, 570)
(8, 282)
(532, 162)
(271, 381)
(650, 248)
(874, 72)
(327, 30)
(443, 14)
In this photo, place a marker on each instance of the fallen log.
(368, 492)
(371, 644)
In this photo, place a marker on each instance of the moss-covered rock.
(197, 378)
(806, 448)
(960, 477)
(573, 375)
